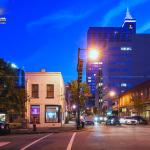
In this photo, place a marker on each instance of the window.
(50, 90)
(126, 48)
(52, 113)
(2, 117)
(123, 85)
(35, 113)
(35, 90)
(100, 84)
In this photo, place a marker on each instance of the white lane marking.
(3, 143)
(35, 141)
(71, 141)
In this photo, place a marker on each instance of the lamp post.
(112, 94)
(79, 70)
(93, 54)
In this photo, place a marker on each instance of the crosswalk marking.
(3, 143)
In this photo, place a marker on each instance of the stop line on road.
(3, 143)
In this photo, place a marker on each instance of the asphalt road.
(93, 138)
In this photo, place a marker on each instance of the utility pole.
(79, 71)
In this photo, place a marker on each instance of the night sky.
(46, 33)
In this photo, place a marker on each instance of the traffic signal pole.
(78, 93)
(79, 71)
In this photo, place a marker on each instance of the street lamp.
(93, 54)
(74, 106)
(112, 93)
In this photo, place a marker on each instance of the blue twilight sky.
(46, 33)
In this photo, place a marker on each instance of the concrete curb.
(48, 131)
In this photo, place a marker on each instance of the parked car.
(102, 119)
(130, 121)
(140, 120)
(122, 120)
(89, 120)
(112, 120)
(4, 128)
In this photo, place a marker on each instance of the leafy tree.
(12, 97)
(84, 92)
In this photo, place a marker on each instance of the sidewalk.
(70, 127)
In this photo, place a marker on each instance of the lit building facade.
(47, 99)
(123, 54)
(135, 101)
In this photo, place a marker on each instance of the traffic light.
(80, 67)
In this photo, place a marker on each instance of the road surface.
(93, 138)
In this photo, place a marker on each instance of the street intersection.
(98, 137)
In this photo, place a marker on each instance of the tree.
(137, 104)
(84, 92)
(12, 97)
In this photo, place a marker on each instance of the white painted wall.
(43, 78)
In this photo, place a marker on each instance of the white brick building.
(47, 100)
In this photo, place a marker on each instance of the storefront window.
(35, 114)
(2, 117)
(52, 114)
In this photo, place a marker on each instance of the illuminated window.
(123, 85)
(89, 80)
(126, 48)
(2, 20)
(89, 77)
(52, 113)
(100, 84)
(2, 117)
(98, 63)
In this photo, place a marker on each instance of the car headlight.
(105, 118)
(112, 120)
(101, 118)
(96, 119)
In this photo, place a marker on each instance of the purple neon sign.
(35, 110)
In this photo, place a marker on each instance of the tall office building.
(124, 56)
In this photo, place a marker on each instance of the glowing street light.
(74, 106)
(112, 93)
(93, 54)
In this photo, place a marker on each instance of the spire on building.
(128, 15)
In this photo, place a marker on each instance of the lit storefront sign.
(35, 113)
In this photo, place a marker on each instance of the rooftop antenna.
(128, 15)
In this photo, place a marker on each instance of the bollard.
(34, 124)
(34, 127)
